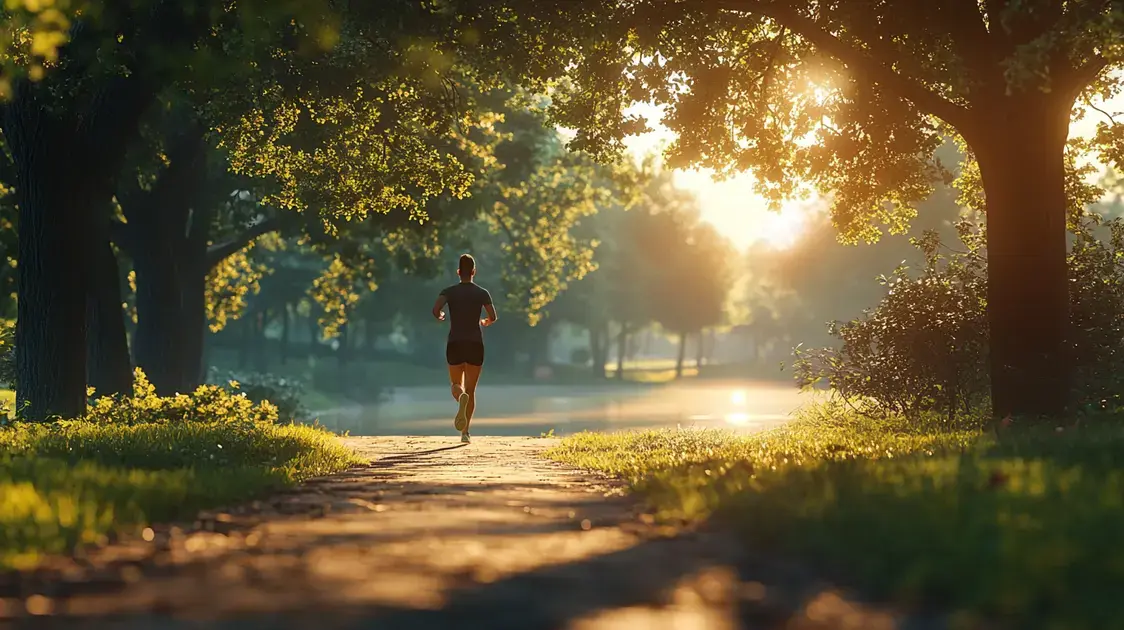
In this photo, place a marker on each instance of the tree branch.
(221, 251)
(1076, 81)
(856, 59)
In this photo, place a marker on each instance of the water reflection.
(531, 410)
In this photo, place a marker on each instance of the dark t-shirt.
(466, 300)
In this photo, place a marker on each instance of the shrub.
(208, 403)
(284, 393)
(924, 346)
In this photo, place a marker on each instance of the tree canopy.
(853, 99)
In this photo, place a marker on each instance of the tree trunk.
(314, 345)
(166, 233)
(370, 334)
(622, 349)
(171, 314)
(109, 366)
(1022, 166)
(158, 342)
(53, 272)
(343, 351)
(681, 355)
(700, 349)
(65, 165)
(259, 341)
(540, 342)
(597, 350)
(193, 366)
(246, 342)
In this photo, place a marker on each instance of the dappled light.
(584, 315)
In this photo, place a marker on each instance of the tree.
(694, 274)
(853, 98)
(78, 92)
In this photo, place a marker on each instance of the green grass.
(72, 483)
(1023, 528)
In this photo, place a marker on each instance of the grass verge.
(73, 482)
(1023, 527)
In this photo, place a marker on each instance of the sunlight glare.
(737, 419)
(738, 397)
(782, 229)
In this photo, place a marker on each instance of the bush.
(924, 346)
(284, 393)
(207, 404)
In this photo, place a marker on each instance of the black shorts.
(470, 352)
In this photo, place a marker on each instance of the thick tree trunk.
(166, 234)
(109, 366)
(53, 275)
(681, 355)
(1022, 165)
(171, 317)
(193, 367)
(161, 329)
(65, 165)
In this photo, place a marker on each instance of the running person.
(464, 351)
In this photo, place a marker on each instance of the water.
(522, 410)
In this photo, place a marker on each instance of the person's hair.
(466, 266)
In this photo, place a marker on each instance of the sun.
(782, 229)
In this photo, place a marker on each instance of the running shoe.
(461, 421)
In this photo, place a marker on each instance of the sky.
(741, 214)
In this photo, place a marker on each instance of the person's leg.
(456, 379)
(471, 378)
(456, 368)
(460, 421)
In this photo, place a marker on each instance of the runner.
(464, 351)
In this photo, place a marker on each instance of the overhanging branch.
(221, 251)
(856, 59)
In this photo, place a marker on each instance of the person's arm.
(491, 310)
(439, 307)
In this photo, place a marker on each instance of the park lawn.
(72, 483)
(1022, 527)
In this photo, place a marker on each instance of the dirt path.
(431, 535)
